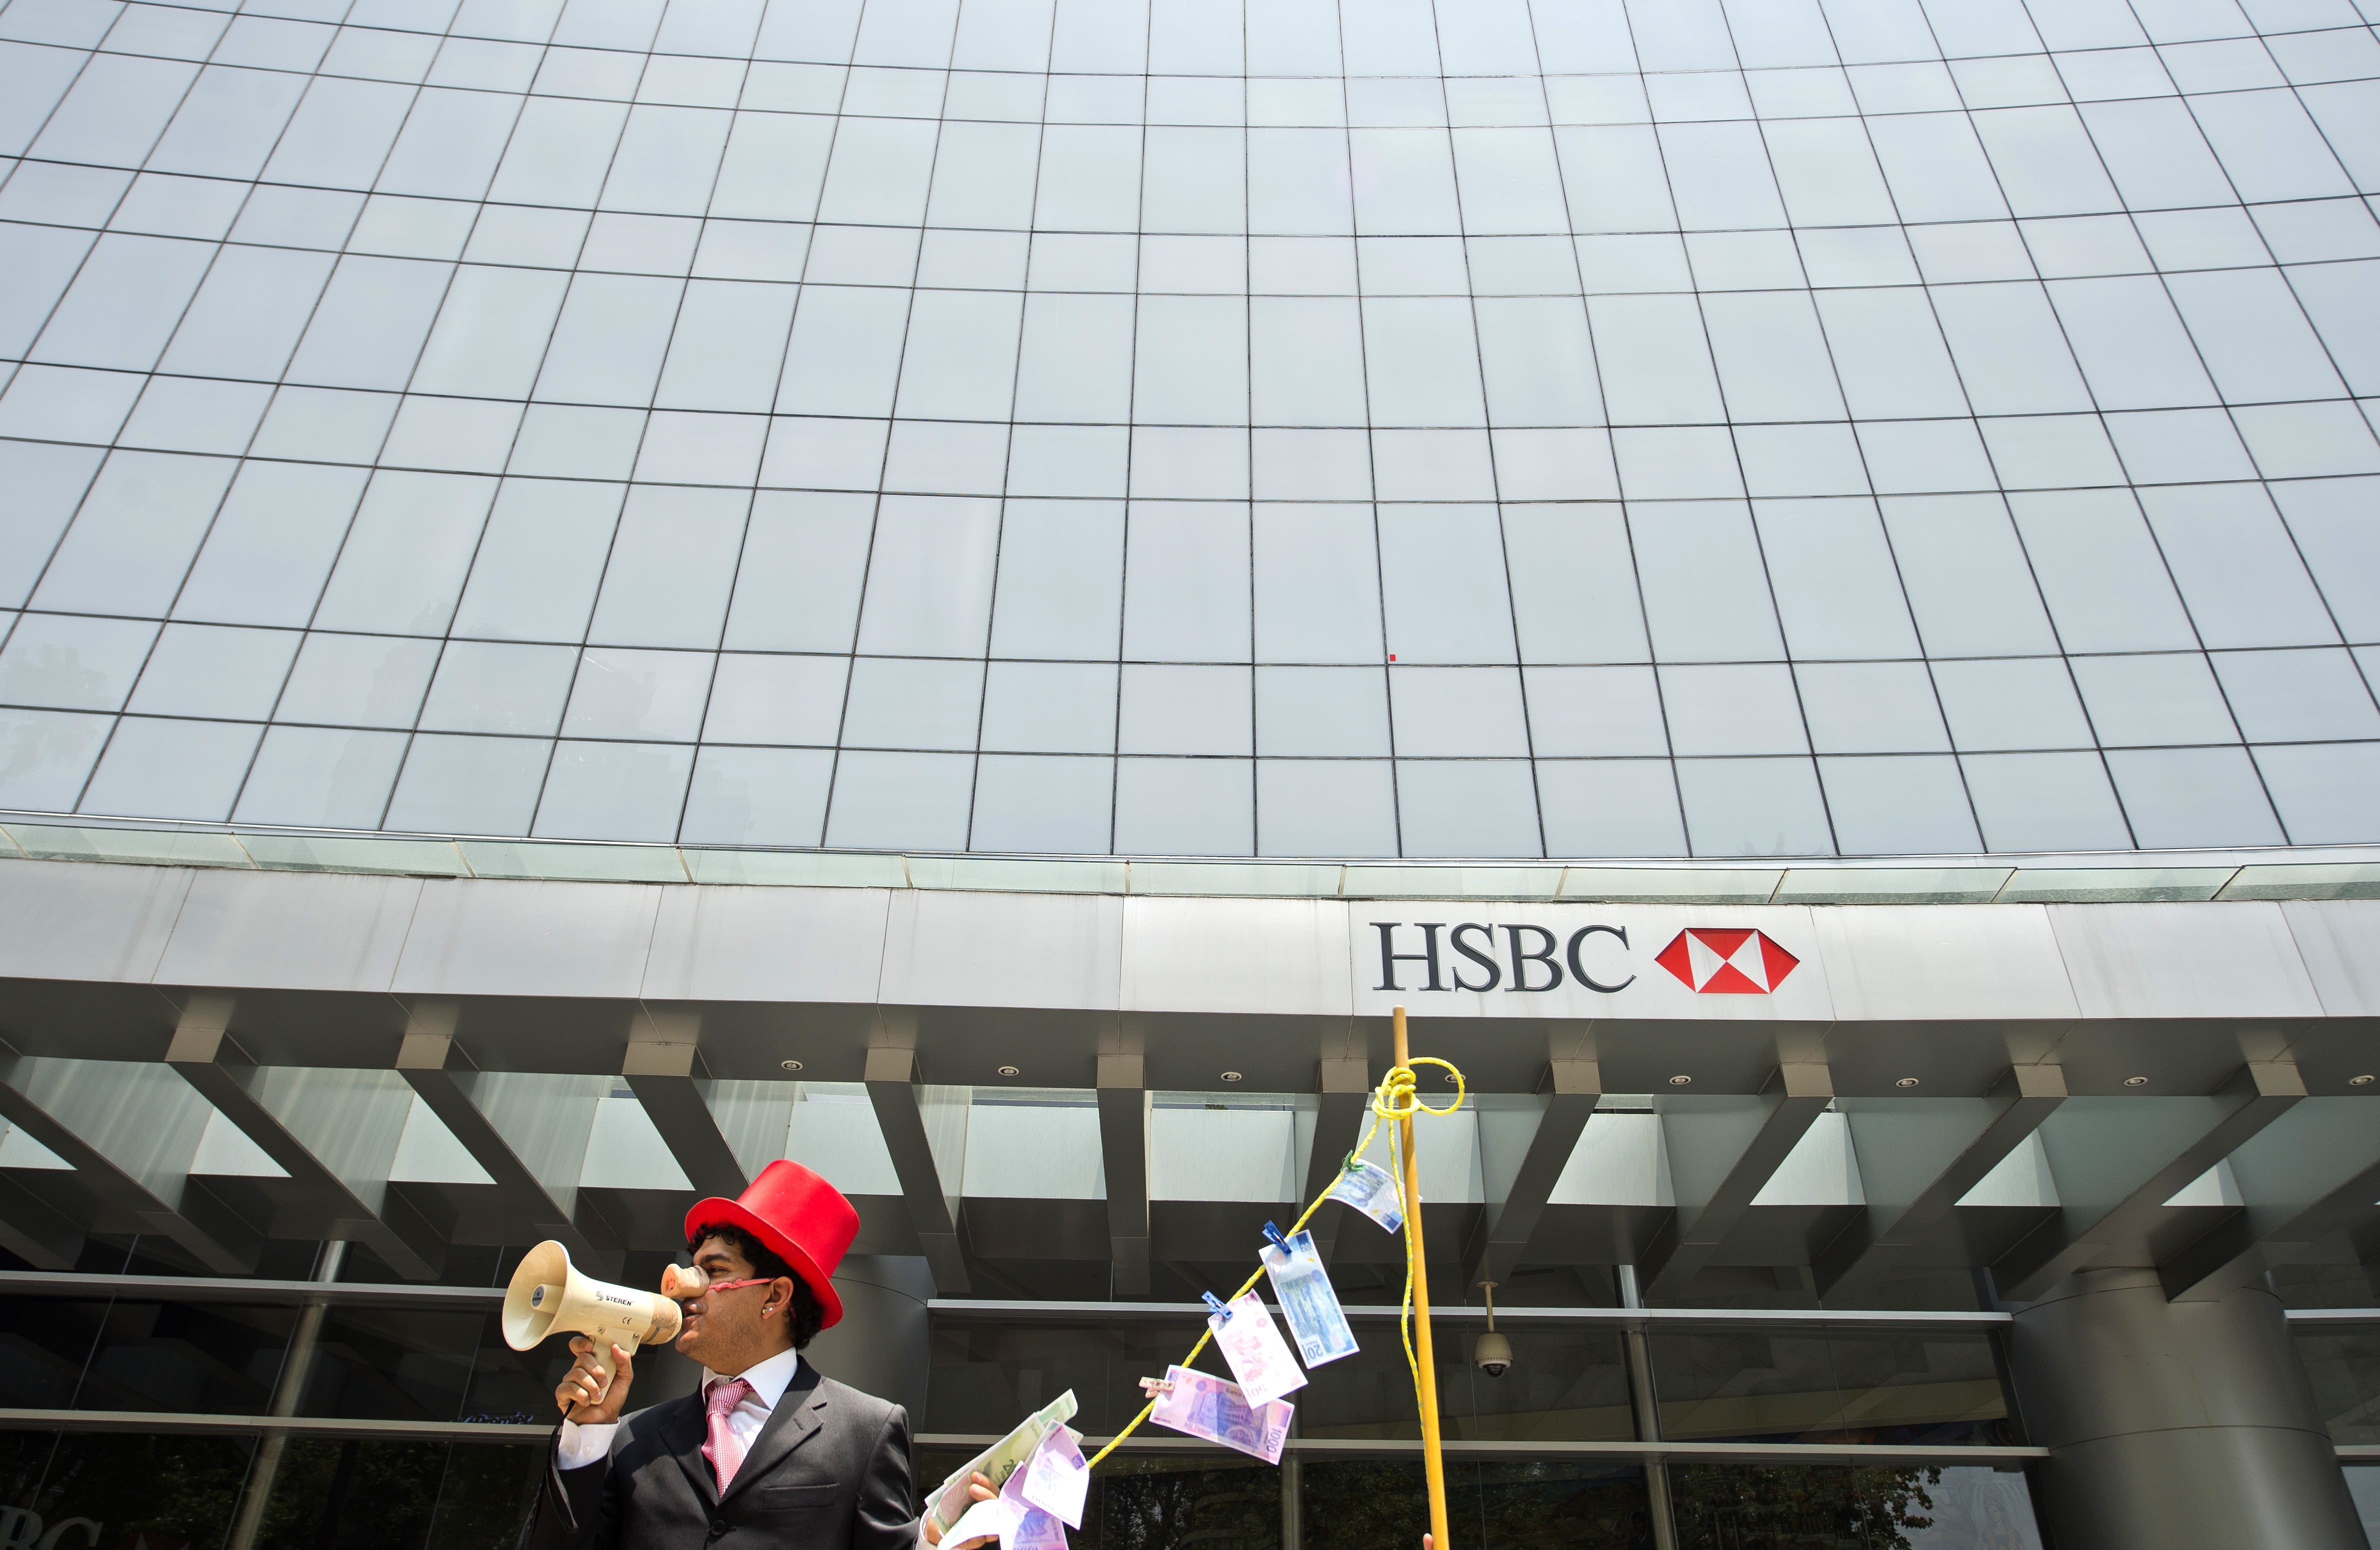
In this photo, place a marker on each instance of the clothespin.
(1272, 1235)
(1216, 1305)
(1154, 1386)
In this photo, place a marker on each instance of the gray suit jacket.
(830, 1471)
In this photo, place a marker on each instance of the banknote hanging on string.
(1252, 1345)
(1372, 1190)
(1307, 1300)
(1205, 1406)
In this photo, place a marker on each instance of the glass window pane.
(655, 697)
(132, 543)
(891, 800)
(1754, 807)
(797, 582)
(2330, 521)
(320, 777)
(46, 756)
(404, 563)
(1317, 585)
(156, 768)
(1326, 807)
(1899, 807)
(540, 563)
(1443, 573)
(207, 669)
(487, 687)
(2297, 697)
(2045, 802)
(1706, 593)
(68, 663)
(1654, 360)
(930, 577)
(1185, 807)
(1610, 807)
(2324, 791)
(2179, 797)
(1837, 587)
(45, 483)
(1870, 707)
(1467, 807)
(961, 361)
(2011, 703)
(1062, 707)
(1061, 805)
(1735, 709)
(1595, 712)
(1968, 581)
(2101, 573)
(758, 797)
(672, 562)
(614, 791)
(1183, 709)
(358, 680)
(1573, 583)
(1186, 582)
(124, 304)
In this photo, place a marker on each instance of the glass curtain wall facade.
(1809, 426)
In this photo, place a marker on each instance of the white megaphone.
(548, 1297)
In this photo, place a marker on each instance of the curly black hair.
(806, 1314)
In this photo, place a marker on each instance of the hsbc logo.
(1731, 962)
(1529, 959)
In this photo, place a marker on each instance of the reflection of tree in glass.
(1723, 1506)
(1167, 1504)
(170, 1488)
(1524, 1505)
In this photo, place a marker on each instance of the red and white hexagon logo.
(1736, 963)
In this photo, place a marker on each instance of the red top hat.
(803, 1220)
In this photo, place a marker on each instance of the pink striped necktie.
(721, 1447)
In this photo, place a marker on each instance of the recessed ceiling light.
(2136, 1082)
(1906, 1082)
(1233, 1076)
(790, 1065)
(2364, 1081)
(1680, 1081)
(1010, 1070)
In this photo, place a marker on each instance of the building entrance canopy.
(1864, 1094)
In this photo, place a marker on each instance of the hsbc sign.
(1527, 958)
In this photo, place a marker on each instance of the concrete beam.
(335, 1133)
(1571, 1089)
(1124, 1150)
(1344, 1085)
(1918, 1157)
(925, 1130)
(531, 1143)
(2116, 1169)
(37, 1232)
(2311, 1175)
(130, 1131)
(664, 1067)
(1722, 1150)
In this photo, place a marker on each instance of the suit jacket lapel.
(793, 1422)
(683, 1435)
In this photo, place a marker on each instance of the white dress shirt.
(581, 1445)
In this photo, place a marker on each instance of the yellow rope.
(1393, 1099)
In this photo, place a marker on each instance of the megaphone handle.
(604, 1359)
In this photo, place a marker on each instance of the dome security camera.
(1492, 1353)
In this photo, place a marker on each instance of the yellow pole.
(1433, 1465)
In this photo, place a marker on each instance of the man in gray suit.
(769, 1451)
